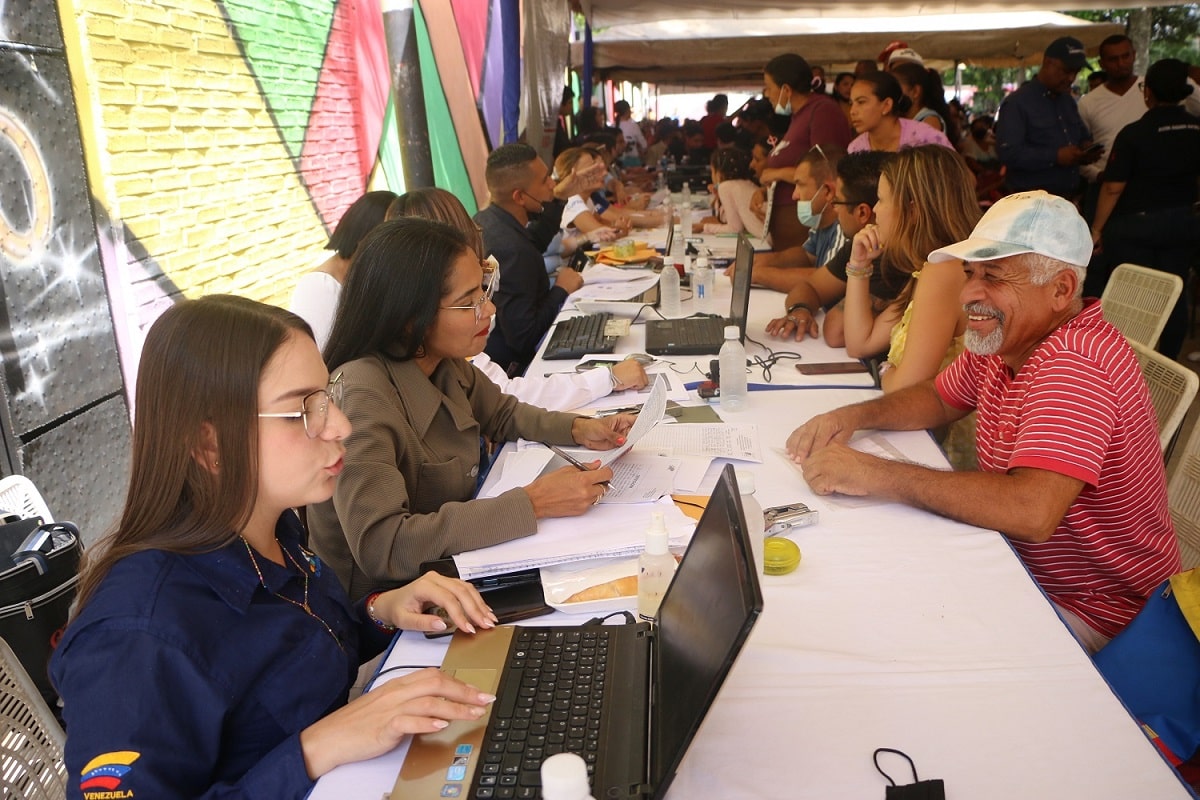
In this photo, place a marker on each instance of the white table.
(899, 629)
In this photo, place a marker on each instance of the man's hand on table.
(835, 427)
(796, 325)
(839, 468)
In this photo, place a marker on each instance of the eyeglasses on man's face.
(314, 408)
(491, 279)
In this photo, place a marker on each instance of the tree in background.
(1157, 33)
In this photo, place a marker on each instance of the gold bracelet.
(860, 272)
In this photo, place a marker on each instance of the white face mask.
(784, 110)
(804, 212)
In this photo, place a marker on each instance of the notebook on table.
(697, 336)
(627, 698)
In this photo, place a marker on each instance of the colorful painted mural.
(216, 146)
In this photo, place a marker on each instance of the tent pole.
(412, 126)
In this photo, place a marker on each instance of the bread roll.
(621, 587)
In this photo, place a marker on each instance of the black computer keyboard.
(575, 337)
(550, 700)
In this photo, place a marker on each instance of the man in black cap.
(1039, 134)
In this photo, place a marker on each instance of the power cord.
(629, 619)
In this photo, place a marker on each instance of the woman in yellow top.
(926, 201)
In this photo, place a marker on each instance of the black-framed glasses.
(491, 279)
(314, 408)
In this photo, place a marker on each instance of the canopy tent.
(603, 14)
(734, 48)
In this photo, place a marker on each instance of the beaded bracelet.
(383, 626)
(860, 272)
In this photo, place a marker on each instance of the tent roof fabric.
(608, 13)
(733, 48)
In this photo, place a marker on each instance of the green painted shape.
(390, 160)
(449, 169)
(284, 43)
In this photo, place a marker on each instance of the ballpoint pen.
(574, 462)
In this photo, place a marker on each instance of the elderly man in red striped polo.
(1069, 462)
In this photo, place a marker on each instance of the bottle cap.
(701, 262)
(780, 556)
(564, 775)
(733, 332)
(657, 536)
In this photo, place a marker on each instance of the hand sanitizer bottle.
(656, 567)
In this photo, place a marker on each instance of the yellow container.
(780, 556)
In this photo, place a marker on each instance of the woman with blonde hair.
(926, 201)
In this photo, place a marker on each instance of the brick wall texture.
(200, 117)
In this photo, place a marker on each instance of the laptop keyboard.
(559, 681)
(575, 337)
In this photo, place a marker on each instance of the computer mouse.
(642, 358)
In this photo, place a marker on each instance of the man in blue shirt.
(1040, 136)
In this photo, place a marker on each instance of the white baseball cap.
(905, 54)
(1026, 222)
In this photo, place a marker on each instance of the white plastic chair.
(31, 742)
(1138, 300)
(1183, 496)
(1172, 389)
(18, 495)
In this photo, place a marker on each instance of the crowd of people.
(374, 405)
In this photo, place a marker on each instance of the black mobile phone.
(832, 368)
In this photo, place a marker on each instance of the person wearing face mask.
(521, 186)
(787, 85)
(815, 184)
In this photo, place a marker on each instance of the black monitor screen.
(703, 621)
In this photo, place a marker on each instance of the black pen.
(574, 462)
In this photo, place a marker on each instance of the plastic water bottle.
(668, 291)
(756, 523)
(564, 777)
(656, 567)
(703, 285)
(685, 210)
(733, 370)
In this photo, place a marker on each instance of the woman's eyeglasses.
(491, 279)
(314, 408)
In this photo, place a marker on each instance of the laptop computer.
(697, 336)
(656, 682)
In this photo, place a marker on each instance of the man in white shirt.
(1108, 108)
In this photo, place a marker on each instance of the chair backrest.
(18, 495)
(1183, 496)
(1138, 300)
(1172, 389)
(31, 742)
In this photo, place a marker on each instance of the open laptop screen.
(740, 302)
(703, 621)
